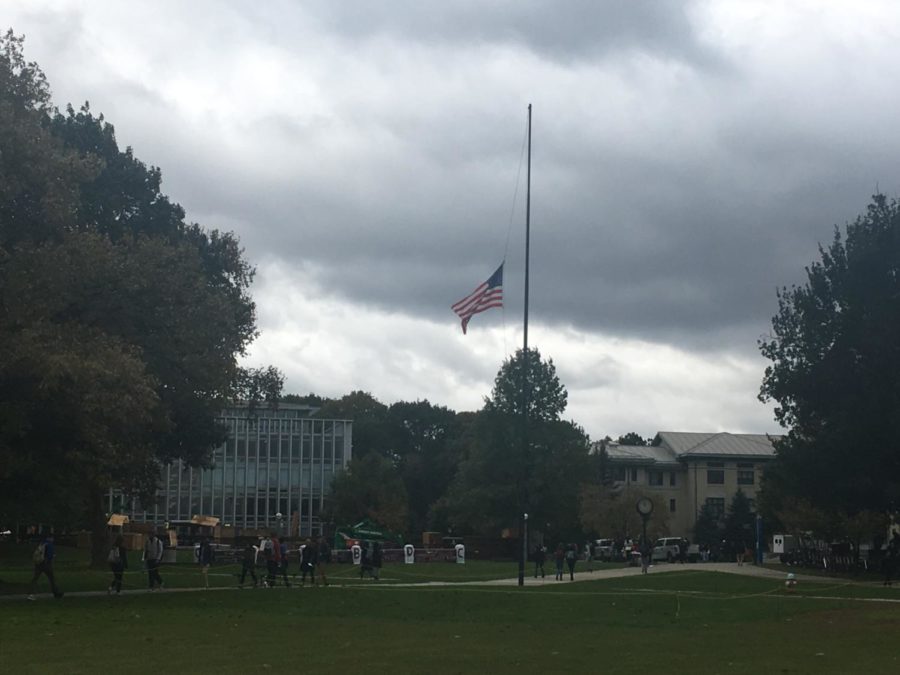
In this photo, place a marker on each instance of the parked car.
(603, 549)
(667, 548)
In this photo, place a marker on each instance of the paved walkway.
(659, 568)
(583, 575)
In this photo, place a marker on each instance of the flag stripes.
(487, 296)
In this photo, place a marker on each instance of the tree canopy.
(120, 322)
(499, 475)
(835, 370)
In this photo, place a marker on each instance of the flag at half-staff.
(487, 296)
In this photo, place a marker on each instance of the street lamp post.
(644, 508)
(524, 537)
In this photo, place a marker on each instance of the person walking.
(559, 556)
(248, 564)
(376, 560)
(153, 553)
(266, 548)
(324, 560)
(646, 551)
(891, 558)
(205, 558)
(589, 556)
(118, 563)
(308, 560)
(42, 558)
(571, 557)
(273, 564)
(540, 554)
(283, 548)
(365, 560)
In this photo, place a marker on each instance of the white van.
(603, 549)
(667, 548)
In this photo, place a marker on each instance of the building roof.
(682, 445)
(723, 444)
(640, 454)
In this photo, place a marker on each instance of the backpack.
(38, 555)
(113, 556)
(570, 554)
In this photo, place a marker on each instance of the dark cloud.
(682, 171)
(560, 31)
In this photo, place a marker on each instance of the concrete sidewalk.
(658, 568)
(530, 580)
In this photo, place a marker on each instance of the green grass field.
(681, 622)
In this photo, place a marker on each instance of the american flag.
(487, 295)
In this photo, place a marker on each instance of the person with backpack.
(43, 564)
(118, 563)
(153, 553)
(571, 556)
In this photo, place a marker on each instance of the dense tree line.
(120, 322)
(835, 377)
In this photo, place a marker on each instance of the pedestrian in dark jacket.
(283, 547)
(205, 558)
(571, 556)
(540, 554)
(365, 561)
(559, 557)
(308, 560)
(324, 560)
(248, 564)
(376, 560)
(43, 558)
(118, 563)
(153, 553)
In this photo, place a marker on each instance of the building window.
(716, 506)
(672, 479)
(655, 478)
(634, 475)
(745, 474)
(618, 474)
(715, 473)
(671, 506)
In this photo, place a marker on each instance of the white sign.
(409, 554)
(460, 554)
(356, 552)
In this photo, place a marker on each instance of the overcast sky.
(688, 158)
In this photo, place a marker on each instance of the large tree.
(835, 371)
(372, 488)
(501, 475)
(427, 447)
(120, 322)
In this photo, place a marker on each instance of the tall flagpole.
(526, 361)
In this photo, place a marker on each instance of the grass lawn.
(681, 622)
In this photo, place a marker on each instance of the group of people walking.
(270, 551)
(563, 556)
(314, 558)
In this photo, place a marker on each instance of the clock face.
(644, 506)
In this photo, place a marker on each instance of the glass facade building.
(274, 462)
